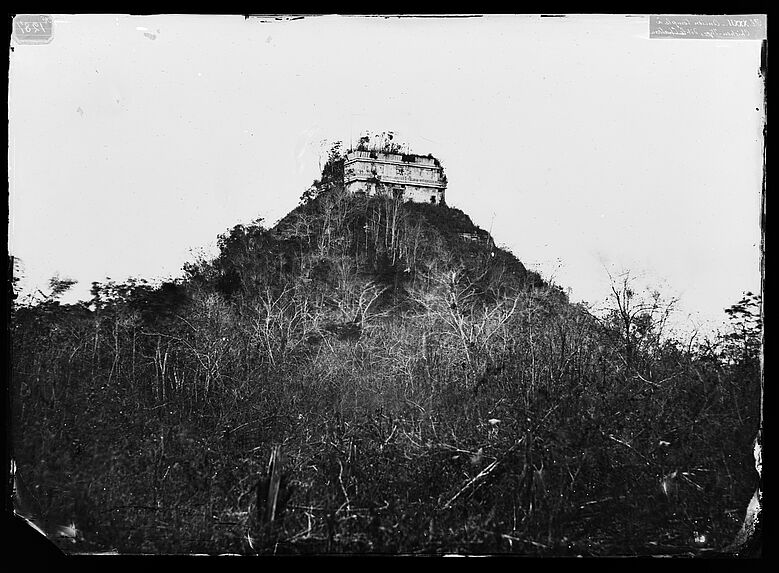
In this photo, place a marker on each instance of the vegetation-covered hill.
(429, 394)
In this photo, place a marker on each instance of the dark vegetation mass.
(430, 394)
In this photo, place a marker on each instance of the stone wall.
(416, 193)
(419, 178)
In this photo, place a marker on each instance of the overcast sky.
(581, 143)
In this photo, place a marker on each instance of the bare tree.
(455, 306)
(640, 318)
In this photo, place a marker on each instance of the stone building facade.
(412, 177)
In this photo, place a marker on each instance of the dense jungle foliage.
(429, 393)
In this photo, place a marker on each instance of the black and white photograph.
(386, 285)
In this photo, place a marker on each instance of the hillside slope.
(339, 242)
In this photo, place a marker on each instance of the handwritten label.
(743, 27)
(32, 29)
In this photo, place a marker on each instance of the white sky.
(583, 144)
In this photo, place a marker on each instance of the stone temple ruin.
(410, 177)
